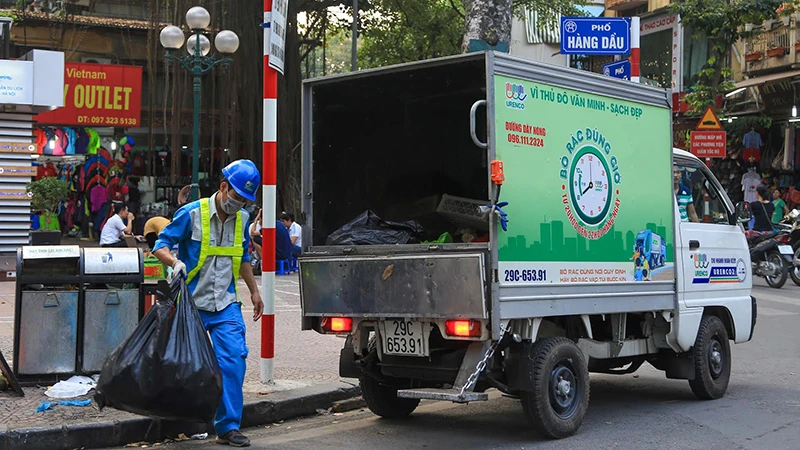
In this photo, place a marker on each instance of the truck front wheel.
(559, 398)
(712, 360)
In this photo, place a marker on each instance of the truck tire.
(381, 399)
(712, 360)
(559, 398)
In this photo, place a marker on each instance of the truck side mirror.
(743, 214)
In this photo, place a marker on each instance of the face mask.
(230, 205)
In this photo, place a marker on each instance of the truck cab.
(481, 222)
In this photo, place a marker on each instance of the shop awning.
(755, 81)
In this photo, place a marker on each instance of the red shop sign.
(99, 95)
(709, 144)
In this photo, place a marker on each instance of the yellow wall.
(652, 5)
(657, 4)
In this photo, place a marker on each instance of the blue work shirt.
(213, 288)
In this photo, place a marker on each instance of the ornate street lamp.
(198, 61)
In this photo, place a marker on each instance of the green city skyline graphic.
(553, 246)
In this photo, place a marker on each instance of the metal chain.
(482, 363)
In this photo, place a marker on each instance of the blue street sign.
(595, 36)
(618, 69)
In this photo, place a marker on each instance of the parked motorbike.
(770, 257)
(791, 224)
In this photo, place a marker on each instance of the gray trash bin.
(46, 310)
(73, 307)
(112, 301)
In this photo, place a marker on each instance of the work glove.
(178, 268)
(502, 214)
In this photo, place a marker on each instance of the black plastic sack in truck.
(369, 229)
(167, 368)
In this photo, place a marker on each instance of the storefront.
(86, 145)
(662, 51)
(763, 131)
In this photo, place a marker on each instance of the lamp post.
(198, 61)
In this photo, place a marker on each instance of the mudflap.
(676, 367)
(519, 367)
(348, 367)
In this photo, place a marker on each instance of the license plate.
(403, 337)
(786, 249)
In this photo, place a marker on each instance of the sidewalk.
(306, 379)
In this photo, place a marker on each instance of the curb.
(281, 406)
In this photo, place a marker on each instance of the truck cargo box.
(417, 141)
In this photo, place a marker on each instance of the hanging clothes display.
(94, 181)
(82, 143)
(94, 142)
(750, 181)
(72, 138)
(752, 146)
(41, 140)
(61, 142)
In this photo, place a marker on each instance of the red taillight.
(337, 324)
(463, 328)
(782, 238)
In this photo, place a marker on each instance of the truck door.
(712, 248)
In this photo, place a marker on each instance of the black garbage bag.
(167, 368)
(369, 229)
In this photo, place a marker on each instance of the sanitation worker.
(213, 243)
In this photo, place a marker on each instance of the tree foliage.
(721, 22)
(399, 31)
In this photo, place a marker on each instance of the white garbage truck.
(470, 223)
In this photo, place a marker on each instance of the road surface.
(639, 411)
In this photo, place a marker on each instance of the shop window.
(695, 57)
(656, 58)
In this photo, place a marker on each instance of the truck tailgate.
(407, 285)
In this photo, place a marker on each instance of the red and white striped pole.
(635, 38)
(269, 177)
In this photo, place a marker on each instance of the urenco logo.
(515, 95)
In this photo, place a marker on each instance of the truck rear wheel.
(559, 398)
(712, 360)
(381, 399)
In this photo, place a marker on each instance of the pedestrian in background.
(780, 207)
(295, 232)
(115, 229)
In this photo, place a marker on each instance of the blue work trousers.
(227, 332)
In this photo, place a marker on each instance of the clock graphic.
(590, 185)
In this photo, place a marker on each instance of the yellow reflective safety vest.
(206, 250)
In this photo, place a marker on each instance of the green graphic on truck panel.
(585, 175)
